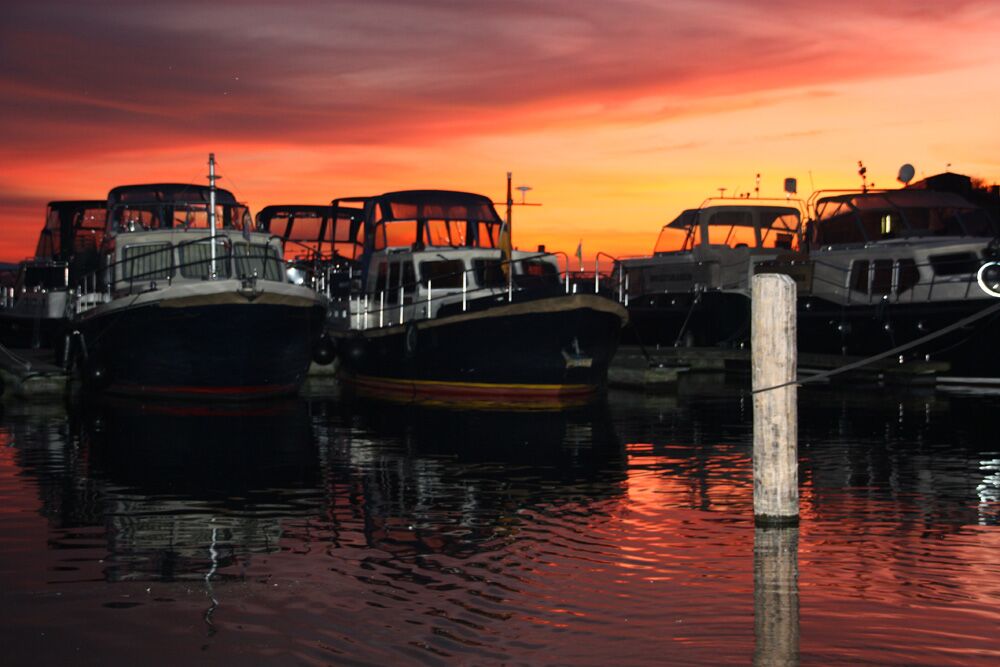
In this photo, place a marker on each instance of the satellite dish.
(905, 173)
(791, 186)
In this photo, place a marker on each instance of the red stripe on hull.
(473, 392)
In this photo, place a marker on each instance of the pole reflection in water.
(776, 596)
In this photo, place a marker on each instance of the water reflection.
(449, 479)
(776, 596)
(345, 529)
(180, 489)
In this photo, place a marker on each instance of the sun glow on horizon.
(615, 137)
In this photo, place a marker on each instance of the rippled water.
(342, 530)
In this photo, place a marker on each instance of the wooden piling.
(775, 411)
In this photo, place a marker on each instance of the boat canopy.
(172, 206)
(731, 224)
(429, 218)
(862, 217)
(313, 228)
(71, 227)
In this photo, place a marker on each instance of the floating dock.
(30, 374)
(651, 367)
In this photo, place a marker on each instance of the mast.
(211, 211)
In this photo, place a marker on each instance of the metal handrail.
(895, 295)
(104, 280)
(358, 303)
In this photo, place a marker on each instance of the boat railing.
(722, 272)
(866, 283)
(390, 307)
(146, 269)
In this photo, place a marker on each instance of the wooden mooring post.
(775, 411)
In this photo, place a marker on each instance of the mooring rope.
(986, 312)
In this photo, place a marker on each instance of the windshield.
(301, 232)
(672, 239)
(429, 218)
(137, 217)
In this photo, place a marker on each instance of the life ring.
(988, 278)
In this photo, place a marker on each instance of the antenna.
(906, 173)
(524, 190)
(756, 187)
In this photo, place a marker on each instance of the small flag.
(579, 253)
(505, 251)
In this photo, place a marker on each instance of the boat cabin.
(732, 224)
(859, 218)
(423, 251)
(900, 245)
(320, 249)
(160, 234)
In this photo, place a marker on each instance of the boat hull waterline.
(555, 346)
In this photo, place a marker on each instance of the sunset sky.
(618, 113)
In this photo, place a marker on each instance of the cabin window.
(381, 277)
(537, 273)
(147, 261)
(409, 277)
(195, 216)
(391, 282)
(954, 264)
(673, 239)
(445, 233)
(731, 228)
(489, 273)
(442, 273)
(196, 260)
(396, 234)
(882, 276)
(909, 275)
(859, 275)
(136, 219)
(488, 235)
(49, 277)
(258, 259)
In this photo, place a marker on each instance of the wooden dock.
(32, 374)
(650, 367)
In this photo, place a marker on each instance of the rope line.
(986, 312)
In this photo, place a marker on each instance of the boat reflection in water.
(454, 478)
(188, 488)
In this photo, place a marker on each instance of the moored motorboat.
(694, 289)
(887, 268)
(440, 305)
(35, 308)
(190, 300)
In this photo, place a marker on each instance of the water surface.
(334, 529)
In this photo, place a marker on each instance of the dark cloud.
(92, 76)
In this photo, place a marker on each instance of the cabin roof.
(168, 193)
(689, 217)
(891, 199)
(449, 204)
(63, 204)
